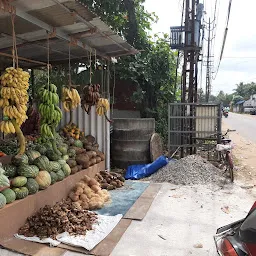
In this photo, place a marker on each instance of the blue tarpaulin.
(136, 172)
(122, 199)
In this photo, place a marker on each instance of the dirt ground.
(244, 154)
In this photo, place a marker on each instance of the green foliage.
(237, 98)
(245, 90)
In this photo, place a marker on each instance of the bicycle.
(225, 157)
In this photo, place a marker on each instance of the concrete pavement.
(244, 124)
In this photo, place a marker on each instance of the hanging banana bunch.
(14, 98)
(50, 113)
(91, 96)
(102, 108)
(70, 99)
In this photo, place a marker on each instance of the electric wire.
(224, 39)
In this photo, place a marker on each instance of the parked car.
(253, 111)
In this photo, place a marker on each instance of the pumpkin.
(19, 159)
(10, 170)
(42, 162)
(43, 179)
(32, 155)
(78, 143)
(19, 181)
(60, 175)
(55, 166)
(29, 171)
(66, 170)
(2, 201)
(54, 177)
(32, 186)
(9, 194)
(21, 192)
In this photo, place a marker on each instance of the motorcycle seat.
(226, 140)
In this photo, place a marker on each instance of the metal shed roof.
(67, 21)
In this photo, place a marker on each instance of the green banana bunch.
(50, 113)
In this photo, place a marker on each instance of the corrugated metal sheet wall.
(92, 125)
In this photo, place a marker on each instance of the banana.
(11, 127)
(6, 128)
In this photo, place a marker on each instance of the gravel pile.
(189, 170)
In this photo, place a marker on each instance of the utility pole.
(208, 86)
(208, 72)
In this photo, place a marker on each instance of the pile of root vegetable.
(88, 195)
(64, 216)
(110, 180)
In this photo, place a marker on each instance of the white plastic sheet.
(101, 229)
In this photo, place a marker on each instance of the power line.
(224, 39)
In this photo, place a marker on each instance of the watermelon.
(66, 170)
(4, 181)
(55, 166)
(52, 155)
(19, 181)
(32, 155)
(60, 175)
(78, 143)
(10, 170)
(54, 177)
(21, 192)
(28, 171)
(32, 186)
(62, 162)
(2, 201)
(43, 179)
(42, 162)
(9, 195)
(41, 149)
(63, 148)
(71, 153)
(65, 157)
(20, 159)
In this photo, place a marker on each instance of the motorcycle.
(225, 113)
(238, 238)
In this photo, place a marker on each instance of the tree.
(245, 90)
(237, 98)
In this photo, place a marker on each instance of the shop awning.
(65, 21)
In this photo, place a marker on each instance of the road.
(245, 125)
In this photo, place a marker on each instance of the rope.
(14, 43)
(95, 55)
(69, 67)
(90, 67)
(48, 61)
(113, 92)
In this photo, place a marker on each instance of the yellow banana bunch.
(70, 98)
(16, 78)
(14, 96)
(102, 106)
(7, 127)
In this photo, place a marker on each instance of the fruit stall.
(63, 166)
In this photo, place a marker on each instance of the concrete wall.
(125, 114)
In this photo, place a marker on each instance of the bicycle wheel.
(230, 165)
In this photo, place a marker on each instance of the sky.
(238, 63)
